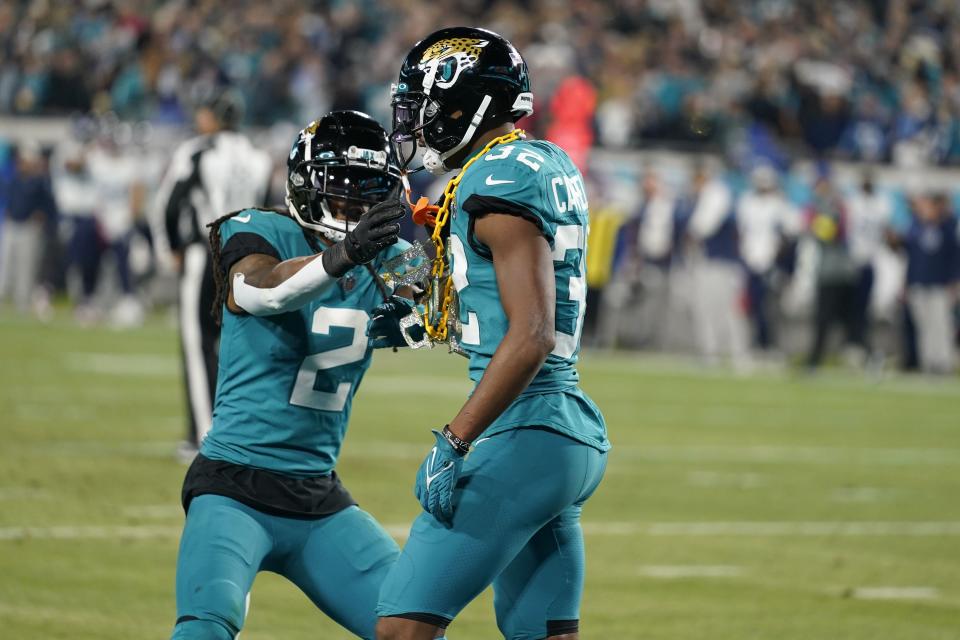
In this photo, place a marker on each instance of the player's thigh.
(538, 594)
(221, 549)
(512, 485)
(341, 566)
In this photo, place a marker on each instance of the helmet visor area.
(349, 191)
(412, 112)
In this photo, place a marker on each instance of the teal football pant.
(516, 526)
(338, 561)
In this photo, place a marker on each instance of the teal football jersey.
(538, 181)
(286, 383)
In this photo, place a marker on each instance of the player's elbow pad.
(289, 295)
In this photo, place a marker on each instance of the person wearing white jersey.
(77, 199)
(117, 182)
(869, 212)
(718, 276)
(210, 175)
(765, 219)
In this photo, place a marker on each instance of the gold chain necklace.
(437, 329)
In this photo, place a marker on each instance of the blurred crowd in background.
(748, 236)
(862, 79)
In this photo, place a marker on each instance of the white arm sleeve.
(289, 295)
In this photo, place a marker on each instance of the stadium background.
(749, 496)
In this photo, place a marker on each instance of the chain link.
(438, 332)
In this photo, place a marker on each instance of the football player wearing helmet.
(516, 213)
(294, 290)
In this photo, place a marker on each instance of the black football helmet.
(451, 84)
(338, 168)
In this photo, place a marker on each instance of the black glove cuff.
(354, 251)
(462, 447)
(336, 260)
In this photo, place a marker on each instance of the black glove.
(376, 230)
(384, 328)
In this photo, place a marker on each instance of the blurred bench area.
(770, 181)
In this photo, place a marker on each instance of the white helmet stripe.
(474, 123)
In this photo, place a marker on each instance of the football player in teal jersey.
(503, 486)
(295, 291)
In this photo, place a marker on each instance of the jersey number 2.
(304, 394)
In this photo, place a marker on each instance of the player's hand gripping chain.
(437, 476)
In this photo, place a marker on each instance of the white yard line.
(123, 364)
(106, 532)
(720, 479)
(653, 529)
(895, 593)
(153, 511)
(674, 571)
(24, 493)
(861, 495)
(758, 454)
(678, 366)
(787, 529)
(380, 384)
(767, 454)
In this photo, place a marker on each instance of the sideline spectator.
(836, 273)
(654, 250)
(765, 219)
(31, 212)
(116, 177)
(869, 213)
(933, 276)
(77, 199)
(718, 276)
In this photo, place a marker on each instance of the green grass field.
(765, 507)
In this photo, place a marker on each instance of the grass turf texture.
(89, 489)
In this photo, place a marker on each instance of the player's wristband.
(462, 447)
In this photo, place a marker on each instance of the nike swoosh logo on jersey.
(492, 183)
(244, 219)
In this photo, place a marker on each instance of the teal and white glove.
(437, 476)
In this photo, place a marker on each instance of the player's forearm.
(280, 287)
(513, 366)
(278, 273)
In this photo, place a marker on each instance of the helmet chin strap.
(435, 162)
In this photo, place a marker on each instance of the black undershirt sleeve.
(478, 206)
(240, 245)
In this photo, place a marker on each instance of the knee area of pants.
(197, 629)
(222, 602)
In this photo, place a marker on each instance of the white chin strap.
(435, 162)
(330, 228)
